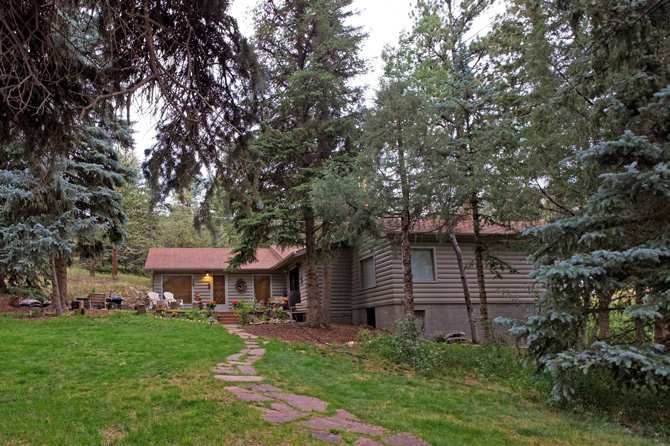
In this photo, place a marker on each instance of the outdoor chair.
(154, 299)
(98, 300)
(172, 302)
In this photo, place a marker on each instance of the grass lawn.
(125, 379)
(80, 283)
(442, 412)
(132, 380)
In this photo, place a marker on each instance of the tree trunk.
(639, 326)
(313, 304)
(3, 283)
(61, 269)
(55, 295)
(659, 332)
(408, 279)
(326, 292)
(466, 287)
(92, 270)
(115, 262)
(602, 328)
(479, 264)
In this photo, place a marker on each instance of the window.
(423, 265)
(368, 279)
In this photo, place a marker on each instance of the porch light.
(207, 274)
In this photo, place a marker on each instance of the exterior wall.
(442, 299)
(388, 276)
(233, 294)
(202, 285)
(340, 286)
(453, 317)
(157, 283)
(279, 285)
(199, 284)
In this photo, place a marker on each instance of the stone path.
(281, 407)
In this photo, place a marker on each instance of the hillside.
(81, 284)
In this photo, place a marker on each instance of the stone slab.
(246, 394)
(327, 423)
(300, 401)
(225, 371)
(247, 369)
(281, 416)
(262, 388)
(405, 439)
(237, 378)
(367, 442)
(325, 436)
(235, 357)
(256, 351)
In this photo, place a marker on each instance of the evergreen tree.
(67, 207)
(610, 261)
(310, 55)
(398, 141)
(450, 66)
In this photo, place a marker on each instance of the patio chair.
(172, 302)
(98, 300)
(154, 299)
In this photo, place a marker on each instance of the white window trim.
(432, 248)
(360, 271)
(253, 284)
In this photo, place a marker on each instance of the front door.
(219, 292)
(262, 289)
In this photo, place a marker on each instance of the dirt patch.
(298, 332)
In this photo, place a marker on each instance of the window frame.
(374, 271)
(434, 254)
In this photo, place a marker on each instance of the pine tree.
(450, 66)
(398, 140)
(611, 260)
(310, 55)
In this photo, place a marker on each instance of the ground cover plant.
(452, 410)
(122, 379)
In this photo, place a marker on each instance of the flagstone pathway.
(281, 407)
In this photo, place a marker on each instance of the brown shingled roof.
(209, 258)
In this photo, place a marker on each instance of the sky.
(382, 20)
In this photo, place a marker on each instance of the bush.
(406, 346)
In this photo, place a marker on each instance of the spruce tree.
(310, 56)
(610, 261)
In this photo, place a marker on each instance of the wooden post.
(92, 270)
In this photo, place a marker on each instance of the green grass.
(451, 411)
(139, 380)
(122, 379)
(81, 284)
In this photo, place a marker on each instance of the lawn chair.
(98, 300)
(172, 302)
(154, 299)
